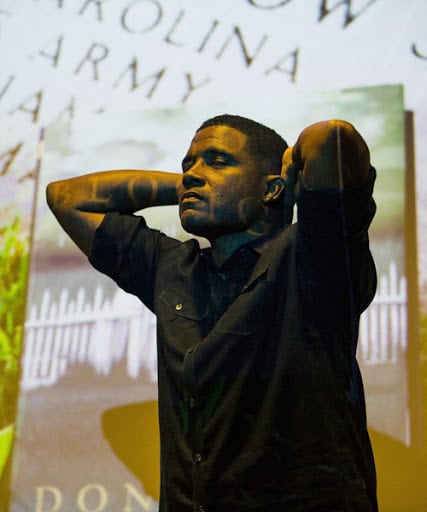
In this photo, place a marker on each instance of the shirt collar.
(249, 251)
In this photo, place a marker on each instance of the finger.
(286, 161)
(290, 184)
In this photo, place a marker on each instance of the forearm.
(80, 204)
(331, 154)
(124, 191)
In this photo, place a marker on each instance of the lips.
(188, 196)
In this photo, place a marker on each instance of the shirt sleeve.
(126, 250)
(336, 271)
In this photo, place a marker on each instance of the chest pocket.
(174, 303)
(250, 310)
(181, 319)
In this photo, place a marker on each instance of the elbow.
(52, 195)
(332, 153)
(49, 194)
(56, 197)
(353, 150)
(350, 138)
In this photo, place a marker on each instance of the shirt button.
(198, 457)
(178, 307)
(192, 402)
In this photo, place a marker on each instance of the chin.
(194, 226)
(200, 229)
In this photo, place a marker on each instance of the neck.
(224, 246)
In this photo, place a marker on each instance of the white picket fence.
(383, 330)
(102, 332)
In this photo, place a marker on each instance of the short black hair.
(267, 146)
(263, 142)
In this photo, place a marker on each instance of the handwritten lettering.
(54, 57)
(37, 106)
(98, 7)
(260, 4)
(238, 34)
(69, 110)
(9, 164)
(131, 12)
(7, 157)
(4, 89)
(96, 53)
(349, 15)
(218, 39)
(132, 71)
(31, 105)
(191, 86)
(414, 50)
(291, 69)
(208, 35)
(142, 16)
(175, 24)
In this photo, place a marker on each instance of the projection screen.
(88, 85)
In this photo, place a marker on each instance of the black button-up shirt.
(261, 404)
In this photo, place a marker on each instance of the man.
(261, 404)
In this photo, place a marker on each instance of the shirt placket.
(223, 292)
(194, 406)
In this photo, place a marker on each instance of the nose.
(193, 178)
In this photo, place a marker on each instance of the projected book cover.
(87, 424)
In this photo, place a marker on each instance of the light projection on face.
(222, 189)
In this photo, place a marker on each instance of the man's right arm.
(80, 204)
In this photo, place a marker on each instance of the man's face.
(222, 188)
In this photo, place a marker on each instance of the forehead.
(221, 137)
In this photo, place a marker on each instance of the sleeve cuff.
(351, 210)
(112, 238)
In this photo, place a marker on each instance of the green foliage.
(14, 258)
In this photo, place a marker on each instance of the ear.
(274, 187)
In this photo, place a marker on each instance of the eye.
(219, 161)
(216, 159)
(186, 164)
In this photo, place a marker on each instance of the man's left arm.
(330, 154)
(335, 208)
